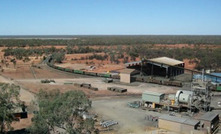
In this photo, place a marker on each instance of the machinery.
(183, 96)
(198, 97)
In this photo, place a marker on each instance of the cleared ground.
(131, 120)
(34, 85)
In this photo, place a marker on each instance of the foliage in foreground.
(9, 103)
(59, 112)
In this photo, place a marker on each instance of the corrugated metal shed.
(150, 96)
(209, 116)
(167, 61)
(186, 121)
(153, 93)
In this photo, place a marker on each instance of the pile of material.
(117, 89)
(135, 104)
(108, 123)
(86, 85)
(47, 81)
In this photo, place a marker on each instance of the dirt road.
(25, 95)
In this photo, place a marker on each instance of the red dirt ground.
(23, 123)
(36, 87)
(189, 64)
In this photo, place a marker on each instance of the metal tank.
(183, 96)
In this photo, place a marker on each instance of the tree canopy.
(58, 57)
(59, 112)
(9, 103)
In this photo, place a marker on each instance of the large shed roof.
(209, 116)
(181, 120)
(167, 61)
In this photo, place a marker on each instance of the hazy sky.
(92, 17)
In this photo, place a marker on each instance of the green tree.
(60, 111)
(14, 62)
(58, 57)
(9, 102)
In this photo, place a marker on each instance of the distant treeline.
(21, 53)
(204, 58)
(207, 58)
(115, 40)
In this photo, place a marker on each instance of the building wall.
(169, 125)
(198, 132)
(186, 129)
(125, 78)
(178, 127)
(209, 124)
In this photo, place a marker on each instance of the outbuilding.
(179, 124)
(125, 75)
(153, 97)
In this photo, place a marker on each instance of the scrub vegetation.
(114, 40)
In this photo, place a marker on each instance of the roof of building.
(209, 116)
(191, 122)
(153, 93)
(133, 63)
(127, 71)
(167, 61)
(181, 120)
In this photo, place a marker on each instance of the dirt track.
(25, 95)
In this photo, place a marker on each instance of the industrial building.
(162, 66)
(210, 121)
(180, 125)
(125, 75)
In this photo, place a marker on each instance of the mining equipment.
(196, 99)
